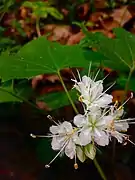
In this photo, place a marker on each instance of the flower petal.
(104, 100)
(80, 120)
(66, 127)
(118, 136)
(96, 90)
(105, 121)
(102, 140)
(54, 129)
(121, 126)
(70, 149)
(55, 144)
(85, 137)
(86, 81)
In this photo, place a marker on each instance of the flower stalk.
(99, 169)
(67, 93)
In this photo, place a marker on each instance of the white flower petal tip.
(47, 166)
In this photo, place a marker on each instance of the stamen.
(50, 118)
(75, 80)
(126, 137)
(131, 123)
(80, 98)
(76, 166)
(89, 69)
(78, 75)
(48, 165)
(116, 103)
(105, 76)
(124, 120)
(96, 75)
(126, 101)
(131, 142)
(104, 114)
(42, 136)
(104, 91)
(33, 136)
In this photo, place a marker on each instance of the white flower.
(93, 126)
(92, 94)
(116, 125)
(64, 136)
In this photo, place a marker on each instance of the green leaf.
(43, 9)
(122, 80)
(7, 94)
(42, 56)
(119, 52)
(55, 13)
(80, 154)
(90, 151)
(58, 99)
(23, 89)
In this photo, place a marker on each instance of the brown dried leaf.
(60, 33)
(83, 9)
(100, 4)
(96, 16)
(121, 15)
(75, 38)
(109, 24)
(36, 80)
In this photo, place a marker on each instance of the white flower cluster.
(100, 122)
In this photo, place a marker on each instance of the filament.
(89, 69)
(96, 75)
(50, 118)
(48, 165)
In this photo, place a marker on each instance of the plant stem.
(76, 111)
(99, 169)
(38, 28)
(67, 93)
(128, 80)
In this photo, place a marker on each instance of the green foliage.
(122, 80)
(5, 42)
(18, 27)
(58, 99)
(41, 56)
(43, 9)
(7, 93)
(119, 52)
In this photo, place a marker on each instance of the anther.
(76, 166)
(49, 117)
(47, 166)
(80, 99)
(33, 136)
